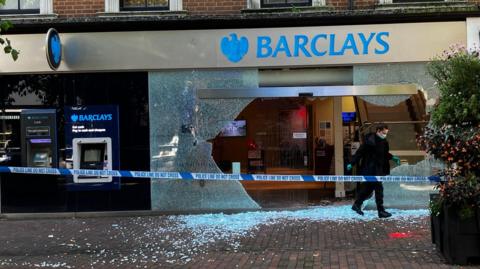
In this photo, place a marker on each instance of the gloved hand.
(396, 160)
(349, 167)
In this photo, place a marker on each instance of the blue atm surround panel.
(94, 133)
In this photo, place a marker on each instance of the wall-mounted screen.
(348, 116)
(234, 128)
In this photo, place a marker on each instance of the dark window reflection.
(47, 193)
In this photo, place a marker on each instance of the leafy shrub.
(457, 74)
(453, 134)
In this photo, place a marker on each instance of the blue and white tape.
(212, 176)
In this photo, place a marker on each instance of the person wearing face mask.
(373, 159)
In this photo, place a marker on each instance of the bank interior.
(296, 136)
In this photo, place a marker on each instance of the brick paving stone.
(162, 242)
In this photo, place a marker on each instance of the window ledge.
(434, 6)
(142, 13)
(287, 9)
(13, 17)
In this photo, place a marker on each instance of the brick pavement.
(163, 242)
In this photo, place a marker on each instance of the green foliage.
(5, 42)
(456, 145)
(457, 74)
(454, 133)
(462, 193)
(435, 207)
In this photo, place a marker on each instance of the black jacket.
(373, 156)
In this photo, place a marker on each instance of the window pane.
(10, 4)
(274, 2)
(29, 4)
(286, 2)
(133, 3)
(297, 2)
(157, 3)
(414, 1)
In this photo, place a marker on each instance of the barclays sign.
(276, 47)
(90, 117)
(235, 48)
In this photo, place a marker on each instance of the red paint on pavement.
(400, 235)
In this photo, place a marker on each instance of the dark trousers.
(365, 189)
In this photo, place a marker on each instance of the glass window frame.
(307, 3)
(144, 8)
(416, 1)
(19, 10)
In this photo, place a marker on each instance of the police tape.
(212, 176)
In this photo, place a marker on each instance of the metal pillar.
(338, 136)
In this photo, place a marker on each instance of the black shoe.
(357, 209)
(384, 214)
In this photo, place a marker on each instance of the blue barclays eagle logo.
(56, 48)
(234, 48)
(74, 117)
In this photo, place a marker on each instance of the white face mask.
(382, 135)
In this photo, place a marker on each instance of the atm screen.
(40, 159)
(92, 156)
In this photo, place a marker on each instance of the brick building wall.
(211, 7)
(357, 4)
(338, 4)
(81, 8)
(78, 8)
(365, 4)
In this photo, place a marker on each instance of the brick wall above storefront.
(365, 4)
(214, 7)
(78, 8)
(196, 8)
(339, 4)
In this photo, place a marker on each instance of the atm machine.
(39, 137)
(92, 142)
(92, 153)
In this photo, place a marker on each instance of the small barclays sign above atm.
(91, 117)
(235, 47)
